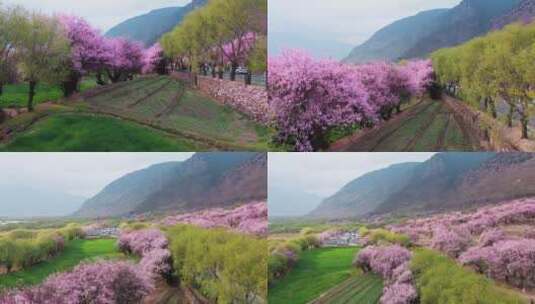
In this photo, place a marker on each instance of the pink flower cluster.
(421, 230)
(92, 52)
(251, 218)
(151, 245)
(101, 282)
(479, 239)
(392, 263)
(151, 58)
(310, 96)
(249, 100)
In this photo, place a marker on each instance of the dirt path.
(426, 126)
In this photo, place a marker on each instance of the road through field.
(426, 126)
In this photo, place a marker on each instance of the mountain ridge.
(447, 181)
(421, 34)
(206, 180)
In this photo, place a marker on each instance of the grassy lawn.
(316, 272)
(78, 132)
(359, 289)
(16, 95)
(75, 252)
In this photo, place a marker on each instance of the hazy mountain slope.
(288, 201)
(148, 28)
(394, 40)
(469, 19)
(210, 180)
(203, 181)
(420, 35)
(433, 183)
(364, 194)
(125, 194)
(523, 12)
(22, 201)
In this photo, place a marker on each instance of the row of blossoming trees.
(495, 241)
(491, 69)
(63, 49)
(231, 268)
(223, 33)
(311, 97)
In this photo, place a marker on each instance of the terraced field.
(155, 113)
(359, 289)
(426, 126)
(167, 104)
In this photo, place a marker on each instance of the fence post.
(248, 78)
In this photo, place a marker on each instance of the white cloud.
(81, 174)
(103, 14)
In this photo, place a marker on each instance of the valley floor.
(325, 275)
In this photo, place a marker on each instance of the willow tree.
(42, 51)
(11, 19)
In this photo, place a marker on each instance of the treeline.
(283, 255)
(494, 68)
(60, 50)
(226, 267)
(21, 249)
(224, 33)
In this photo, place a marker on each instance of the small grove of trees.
(223, 33)
(63, 49)
(312, 97)
(20, 249)
(496, 67)
(231, 269)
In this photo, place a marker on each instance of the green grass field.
(87, 133)
(75, 252)
(358, 289)
(316, 272)
(16, 95)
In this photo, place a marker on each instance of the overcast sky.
(348, 22)
(103, 14)
(80, 174)
(324, 174)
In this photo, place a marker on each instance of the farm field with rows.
(316, 272)
(154, 113)
(425, 126)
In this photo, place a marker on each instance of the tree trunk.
(510, 115)
(492, 105)
(31, 94)
(71, 85)
(213, 71)
(525, 123)
(248, 78)
(233, 68)
(398, 108)
(100, 81)
(1, 89)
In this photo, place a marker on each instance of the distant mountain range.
(150, 27)
(447, 181)
(206, 180)
(420, 35)
(22, 201)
